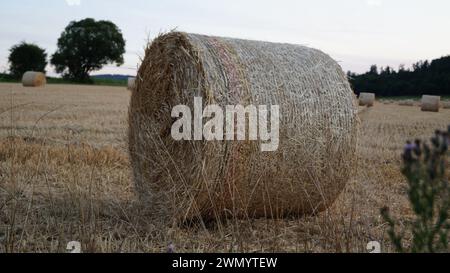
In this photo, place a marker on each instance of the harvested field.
(65, 176)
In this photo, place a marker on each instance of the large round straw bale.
(215, 179)
(431, 103)
(33, 79)
(131, 83)
(366, 99)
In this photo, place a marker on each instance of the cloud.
(73, 2)
(374, 3)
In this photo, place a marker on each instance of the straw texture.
(366, 99)
(216, 179)
(33, 79)
(431, 103)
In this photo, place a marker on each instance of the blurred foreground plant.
(424, 166)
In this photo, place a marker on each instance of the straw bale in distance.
(131, 83)
(33, 79)
(366, 99)
(211, 180)
(430, 103)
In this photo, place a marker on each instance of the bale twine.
(430, 103)
(131, 83)
(184, 180)
(366, 99)
(33, 79)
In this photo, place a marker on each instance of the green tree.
(86, 46)
(25, 57)
(373, 69)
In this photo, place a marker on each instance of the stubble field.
(65, 176)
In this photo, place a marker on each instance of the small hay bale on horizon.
(430, 103)
(189, 180)
(366, 99)
(131, 83)
(33, 79)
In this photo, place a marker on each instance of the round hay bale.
(446, 104)
(33, 79)
(184, 180)
(366, 99)
(131, 83)
(430, 103)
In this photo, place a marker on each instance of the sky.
(356, 33)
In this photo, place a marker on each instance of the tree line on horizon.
(425, 77)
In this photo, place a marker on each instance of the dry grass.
(446, 104)
(408, 103)
(65, 175)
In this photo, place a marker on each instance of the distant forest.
(424, 77)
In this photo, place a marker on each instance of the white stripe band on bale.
(431, 103)
(33, 79)
(366, 99)
(184, 180)
(131, 83)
